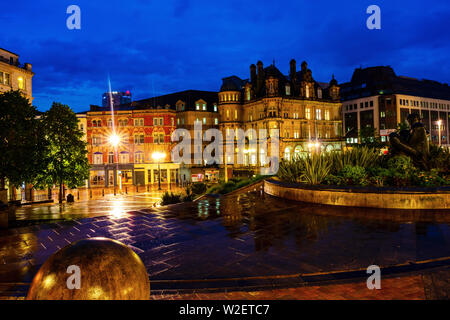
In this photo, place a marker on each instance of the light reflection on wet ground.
(234, 236)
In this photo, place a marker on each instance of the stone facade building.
(14, 75)
(307, 113)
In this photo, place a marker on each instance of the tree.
(66, 155)
(21, 140)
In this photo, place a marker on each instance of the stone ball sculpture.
(92, 269)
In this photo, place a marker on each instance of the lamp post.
(439, 129)
(158, 156)
(114, 140)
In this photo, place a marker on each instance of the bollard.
(137, 189)
(114, 190)
(90, 193)
(126, 190)
(126, 278)
(78, 195)
(148, 188)
(103, 192)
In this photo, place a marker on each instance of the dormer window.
(319, 93)
(307, 91)
(288, 90)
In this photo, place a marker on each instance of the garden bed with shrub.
(367, 167)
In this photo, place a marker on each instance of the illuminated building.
(14, 75)
(306, 112)
(376, 97)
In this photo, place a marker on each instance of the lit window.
(327, 114)
(197, 106)
(308, 113)
(204, 106)
(235, 114)
(21, 83)
(318, 114)
(216, 121)
(215, 108)
(204, 120)
(288, 90)
(98, 158)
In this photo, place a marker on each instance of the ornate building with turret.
(306, 112)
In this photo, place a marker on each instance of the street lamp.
(158, 156)
(114, 140)
(439, 129)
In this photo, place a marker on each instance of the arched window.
(287, 154)
(98, 158)
(124, 157)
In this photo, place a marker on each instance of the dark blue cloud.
(163, 46)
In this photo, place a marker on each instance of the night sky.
(158, 47)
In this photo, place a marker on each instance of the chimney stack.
(253, 74)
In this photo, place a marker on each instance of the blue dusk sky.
(158, 47)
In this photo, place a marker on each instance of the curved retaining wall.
(440, 199)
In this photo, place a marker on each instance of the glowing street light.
(158, 156)
(114, 139)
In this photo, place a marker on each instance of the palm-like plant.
(316, 168)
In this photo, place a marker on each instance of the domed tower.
(230, 104)
(333, 89)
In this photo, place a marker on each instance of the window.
(216, 121)
(287, 154)
(288, 90)
(98, 158)
(21, 83)
(318, 114)
(172, 121)
(124, 157)
(307, 91)
(319, 93)
(204, 120)
(5, 78)
(197, 106)
(204, 107)
(109, 124)
(96, 140)
(228, 114)
(139, 157)
(178, 121)
(235, 114)
(215, 108)
(139, 139)
(308, 113)
(138, 122)
(371, 103)
(111, 157)
(158, 121)
(158, 138)
(123, 122)
(366, 104)
(327, 114)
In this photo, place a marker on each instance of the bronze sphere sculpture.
(107, 270)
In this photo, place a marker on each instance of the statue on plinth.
(412, 142)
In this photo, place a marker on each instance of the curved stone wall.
(440, 199)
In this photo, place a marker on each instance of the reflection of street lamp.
(439, 129)
(158, 156)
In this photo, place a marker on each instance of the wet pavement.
(235, 237)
